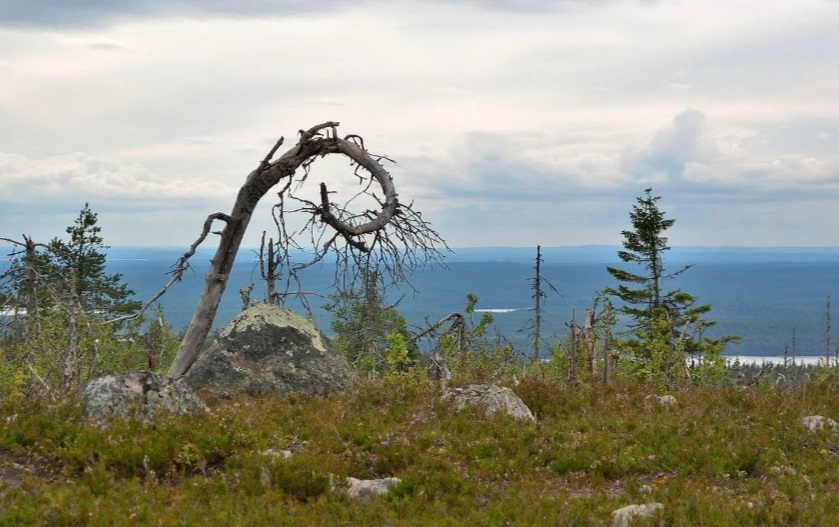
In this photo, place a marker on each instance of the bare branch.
(370, 237)
(179, 268)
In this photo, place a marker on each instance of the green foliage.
(62, 341)
(645, 246)
(370, 334)
(667, 326)
(474, 354)
(594, 449)
(76, 269)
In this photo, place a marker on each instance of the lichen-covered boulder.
(268, 349)
(493, 398)
(140, 393)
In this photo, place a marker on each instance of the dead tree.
(609, 355)
(28, 281)
(827, 332)
(588, 336)
(438, 367)
(269, 264)
(538, 285)
(394, 235)
(572, 351)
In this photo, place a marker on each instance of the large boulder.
(269, 349)
(492, 398)
(140, 394)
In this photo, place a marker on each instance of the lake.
(761, 294)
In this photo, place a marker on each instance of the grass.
(718, 457)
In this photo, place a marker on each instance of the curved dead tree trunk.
(315, 142)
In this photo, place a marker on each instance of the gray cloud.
(512, 122)
(93, 13)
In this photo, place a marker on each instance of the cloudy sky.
(513, 123)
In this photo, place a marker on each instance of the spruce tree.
(665, 324)
(645, 246)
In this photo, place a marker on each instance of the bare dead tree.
(572, 352)
(538, 294)
(588, 336)
(438, 368)
(29, 279)
(538, 285)
(394, 238)
(608, 353)
(245, 295)
(269, 264)
(827, 332)
(71, 353)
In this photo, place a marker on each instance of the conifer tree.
(82, 260)
(645, 246)
(666, 324)
(77, 268)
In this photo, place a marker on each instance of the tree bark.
(537, 295)
(588, 335)
(312, 144)
(29, 291)
(572, 354)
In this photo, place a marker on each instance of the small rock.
(780, 470)
(624, 516)
(666, 400)
(364, 488)
(493, 398)
(663, 400)
(281, 454)
(818, 422)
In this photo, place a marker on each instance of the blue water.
(760, 294)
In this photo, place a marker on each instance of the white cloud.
(76, 178)
(521, 112)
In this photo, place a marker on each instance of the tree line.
(66, 320)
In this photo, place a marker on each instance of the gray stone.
(493, 398)
(818, 422)
(365, 488)
(140, 393)
(666, 400)
(268, 349)
(624, 516)
(277, 454)
(663, 400)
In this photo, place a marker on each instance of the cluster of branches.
(388, 242)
